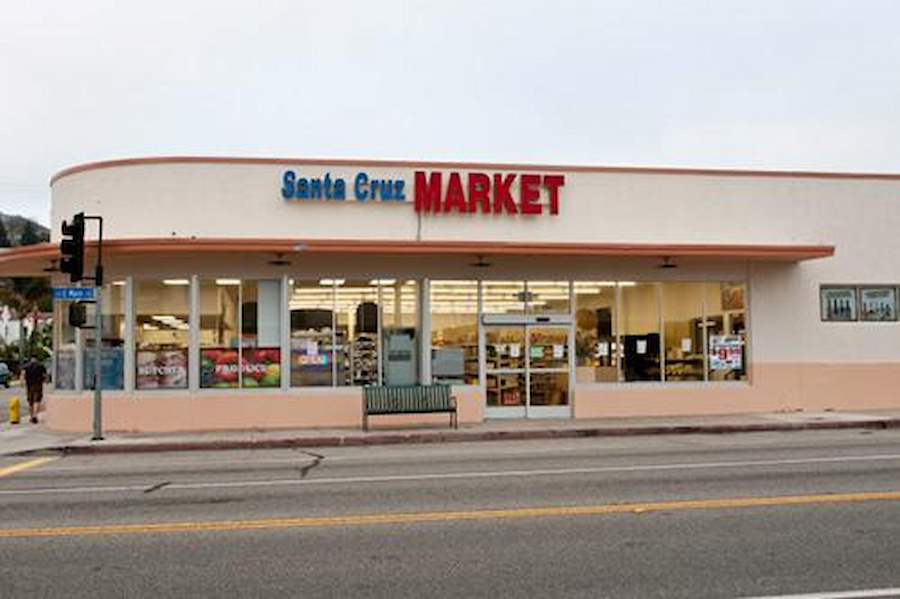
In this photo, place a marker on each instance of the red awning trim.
(131, 247)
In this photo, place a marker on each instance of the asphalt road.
(687, 516)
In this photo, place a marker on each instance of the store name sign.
(497, 194)
(437, 192)
(363, 189)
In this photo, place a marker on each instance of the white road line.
(864, 594)
(460, 475)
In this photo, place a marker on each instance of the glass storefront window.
(312, 334)
(503, 297)
(454, 332)
(112, 347)
(398, 330)
(66, 347)
(547, 297)
(595, 331)
(640, 339)
(357, 346)
(260, 334)
(726, 330)
(161, 334)
(682, 331)
(219, 316)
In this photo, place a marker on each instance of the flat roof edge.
(732, 172)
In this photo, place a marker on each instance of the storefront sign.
(436, 192)
(500, 194)
(363, 188)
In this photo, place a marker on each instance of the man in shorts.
(35, 375)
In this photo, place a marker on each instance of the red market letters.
(488, 195)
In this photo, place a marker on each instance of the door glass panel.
(549, 388)
(505, 347)
(549, 347)
(506, 390)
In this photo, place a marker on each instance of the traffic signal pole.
(72, 262)
(98, 334)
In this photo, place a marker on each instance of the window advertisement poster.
(838, 304)
(878, 304)
(726, 352)
(219, 368)
(112, 367)
(162, 369)
(310, 363)
(65, 369)
(260, 367)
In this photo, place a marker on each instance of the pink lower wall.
(182, 412)
(774, 387)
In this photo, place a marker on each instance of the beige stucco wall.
(798, 361)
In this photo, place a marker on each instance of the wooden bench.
(413, 399)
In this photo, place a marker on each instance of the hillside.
(18, 226)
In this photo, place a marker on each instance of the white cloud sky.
(783, 84)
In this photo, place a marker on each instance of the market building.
(267, 292)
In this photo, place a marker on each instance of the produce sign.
(261, 367)
(219, 368)
(162, 369)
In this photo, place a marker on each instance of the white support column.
(285, 333)
(482, 353)
(194, 336)
(128, 376)
(424, 307)
(79, 359)
(573, 311)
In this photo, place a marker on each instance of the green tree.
(31, 235)
(4, 236)
(24, 297)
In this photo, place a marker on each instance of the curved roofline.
(88, 166)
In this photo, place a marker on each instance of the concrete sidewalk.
(25, 439)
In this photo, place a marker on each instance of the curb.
(459, 437)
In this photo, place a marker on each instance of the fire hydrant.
(14, 405)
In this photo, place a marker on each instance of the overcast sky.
(780, 84)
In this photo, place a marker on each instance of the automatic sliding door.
(548, 371)
(506, 384)
(527, 370)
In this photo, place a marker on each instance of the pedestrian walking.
(35, 375)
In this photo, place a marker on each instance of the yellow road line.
(25, 466)
(417, 517)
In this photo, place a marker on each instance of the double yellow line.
(447, 516)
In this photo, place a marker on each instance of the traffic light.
(77, 314)
(72, 248)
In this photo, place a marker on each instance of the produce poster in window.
(877, 304)
(260, 367)
(219, 368)
(162, 369)
(838, 304)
